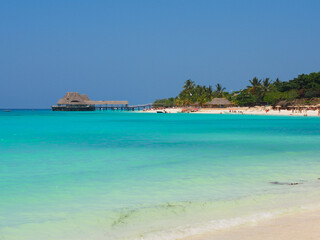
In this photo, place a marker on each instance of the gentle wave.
(191, 230)
(186, 231)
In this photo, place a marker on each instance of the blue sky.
(142, 50)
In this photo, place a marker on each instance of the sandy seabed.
(298, 226)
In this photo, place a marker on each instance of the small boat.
(161, 111)
(7, 110)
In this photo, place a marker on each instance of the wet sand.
(300, 226)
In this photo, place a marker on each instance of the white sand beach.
(242, 111)
(300, 226)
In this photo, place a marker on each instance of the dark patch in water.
(122, 218)
(175, 208)
(285, 183)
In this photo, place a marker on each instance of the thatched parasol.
(282, 104)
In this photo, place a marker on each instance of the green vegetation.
(259, 92)
(164, 102)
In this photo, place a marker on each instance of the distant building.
(73, 101)
(219, 102)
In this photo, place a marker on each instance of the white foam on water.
(186, 231)
(214, 225)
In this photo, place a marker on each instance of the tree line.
(258, 92)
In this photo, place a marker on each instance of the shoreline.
(240, 111)
(297, 226)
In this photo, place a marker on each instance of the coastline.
(241, 111)
(297, 226)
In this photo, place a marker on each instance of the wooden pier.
(116, 107)
(73, 101)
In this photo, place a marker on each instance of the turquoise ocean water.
(103, 175)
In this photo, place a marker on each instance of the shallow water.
(103, 175)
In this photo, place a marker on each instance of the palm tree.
(186, 95)
(277, 84)
(266, 84)
(265, 87)
(219, 90)
(178, 102)
(189, 85)
(210, 91)
(255, 85)
(202, 100)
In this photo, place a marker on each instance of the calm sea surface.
(103, 175)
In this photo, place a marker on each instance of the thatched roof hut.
(85, 97)
(74, 98)
(282, 103)
(219, 102)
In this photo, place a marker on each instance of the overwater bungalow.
(73, 101)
